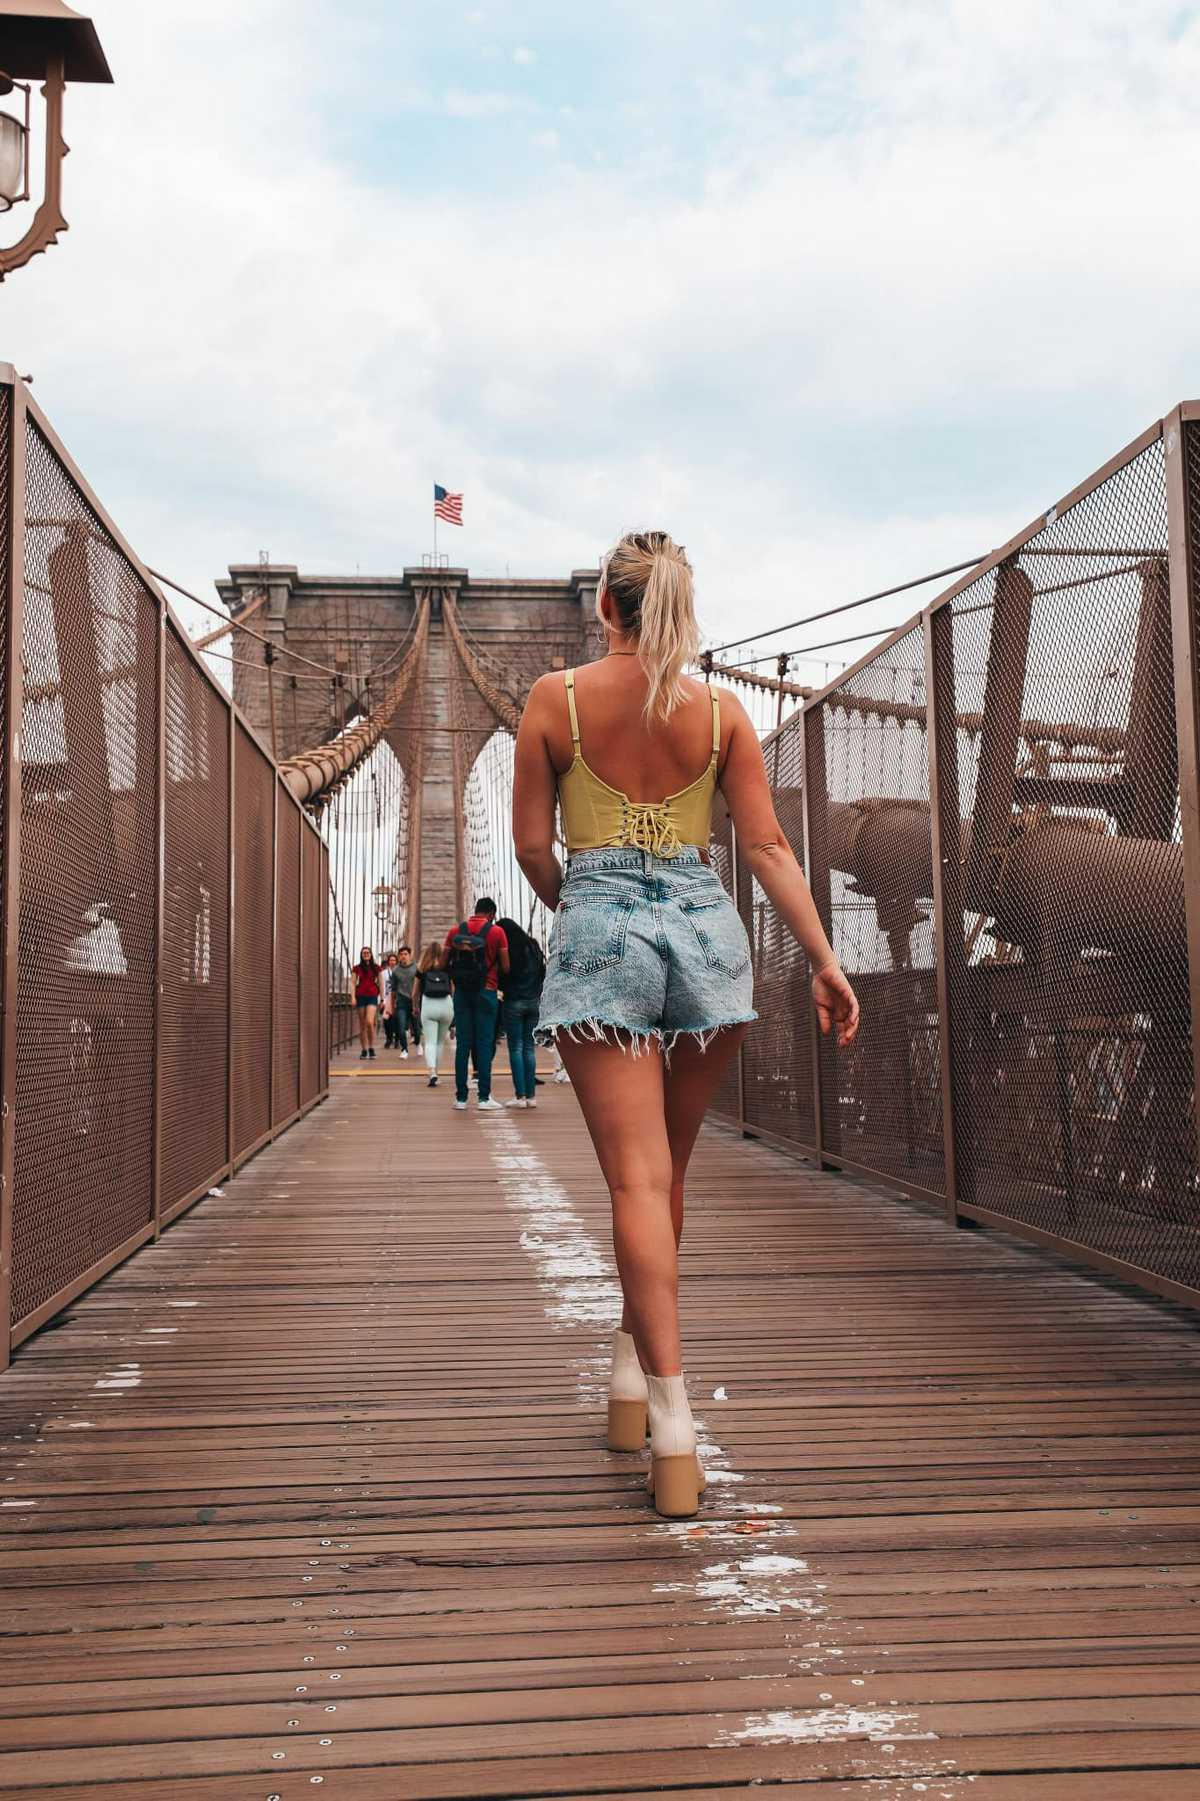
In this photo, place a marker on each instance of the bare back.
(646, 762)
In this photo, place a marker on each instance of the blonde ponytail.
(649, 581)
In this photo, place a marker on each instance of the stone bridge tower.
(488, 640)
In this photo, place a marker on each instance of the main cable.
(846, 606)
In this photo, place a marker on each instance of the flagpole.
(435, 561)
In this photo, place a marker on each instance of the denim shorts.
(644, 946)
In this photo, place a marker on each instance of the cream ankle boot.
(676, 1477)
(626, 1397)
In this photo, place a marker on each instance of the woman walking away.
(522, 987)
(432, 1004)
(368, 977)
(648, 985)
(391, 1024)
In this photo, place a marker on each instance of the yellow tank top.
(597, 817)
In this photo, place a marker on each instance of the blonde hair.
(649, 581)
(430, 958)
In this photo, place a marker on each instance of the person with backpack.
(433, 1007)
(522, 995)
(477, 956)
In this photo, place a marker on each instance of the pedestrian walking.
(433, 1005)
(521, 994)
(388, 1007)
(368, 978)
(401, 980)
(648, 989)
(477, 957)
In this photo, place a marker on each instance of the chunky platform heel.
(627, 1407)
(676, 1478)
(626, 1424)
(675, 1485)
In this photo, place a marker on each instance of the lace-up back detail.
(598, 817)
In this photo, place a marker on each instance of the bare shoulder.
(733, 713)
(539, 700)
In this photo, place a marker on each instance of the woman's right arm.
(773, 864)
(535, 795)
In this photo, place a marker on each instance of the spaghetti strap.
(716, 707)
(569, 678)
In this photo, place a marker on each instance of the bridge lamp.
(40, 41)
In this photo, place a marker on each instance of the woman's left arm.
(535, 794)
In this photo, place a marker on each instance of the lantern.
(41, 41)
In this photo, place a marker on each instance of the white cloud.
(461, 104)
(524, 55)
(894, 311)
(547, 140)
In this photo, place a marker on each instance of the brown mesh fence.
(195, 941)
(869, 819)
(116, 892)
(286, 1009)
(1047, 1010)
(312, 955)
(85, 1029)
(777, 1057)
(1071, 1020)
(253, 941)
(726, 1102)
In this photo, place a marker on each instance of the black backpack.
(524, 980)
(435, 984)
(468, 958)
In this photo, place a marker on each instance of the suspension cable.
(846, 606)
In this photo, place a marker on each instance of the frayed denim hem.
(634, 1039)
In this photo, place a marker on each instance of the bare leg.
(362, 1027)
(623, 1105)
(369, 1017)
(690, 1080)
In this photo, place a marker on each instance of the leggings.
(435, 1028)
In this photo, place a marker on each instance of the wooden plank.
(336, 1443)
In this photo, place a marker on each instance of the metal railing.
(163, 901)
(998, 810)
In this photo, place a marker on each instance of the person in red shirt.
(368, 979)
(477, 956)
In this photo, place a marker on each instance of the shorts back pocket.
(720, 932)
(590, 933)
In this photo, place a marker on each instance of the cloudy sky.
(835, 292)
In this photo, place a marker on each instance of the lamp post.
(40, 41)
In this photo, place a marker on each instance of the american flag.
(447, 506)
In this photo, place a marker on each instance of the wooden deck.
(313, 1494)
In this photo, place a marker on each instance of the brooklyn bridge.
(304, 1479)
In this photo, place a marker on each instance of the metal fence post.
(275, 912)
(12, 503)
(230, 1122)
(1182, 553)
(736, 884)
(160, 899)
(941, 737)
(302, 960)
(813, 803)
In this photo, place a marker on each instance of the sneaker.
(488, 1106)
(560, 1075)
(362, 1056)
(432, 1082)
(517, 1103)
(404, 1054)
(460, 1106)
(531, 1102)
(371, 1052)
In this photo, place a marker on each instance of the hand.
(836, 1003)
